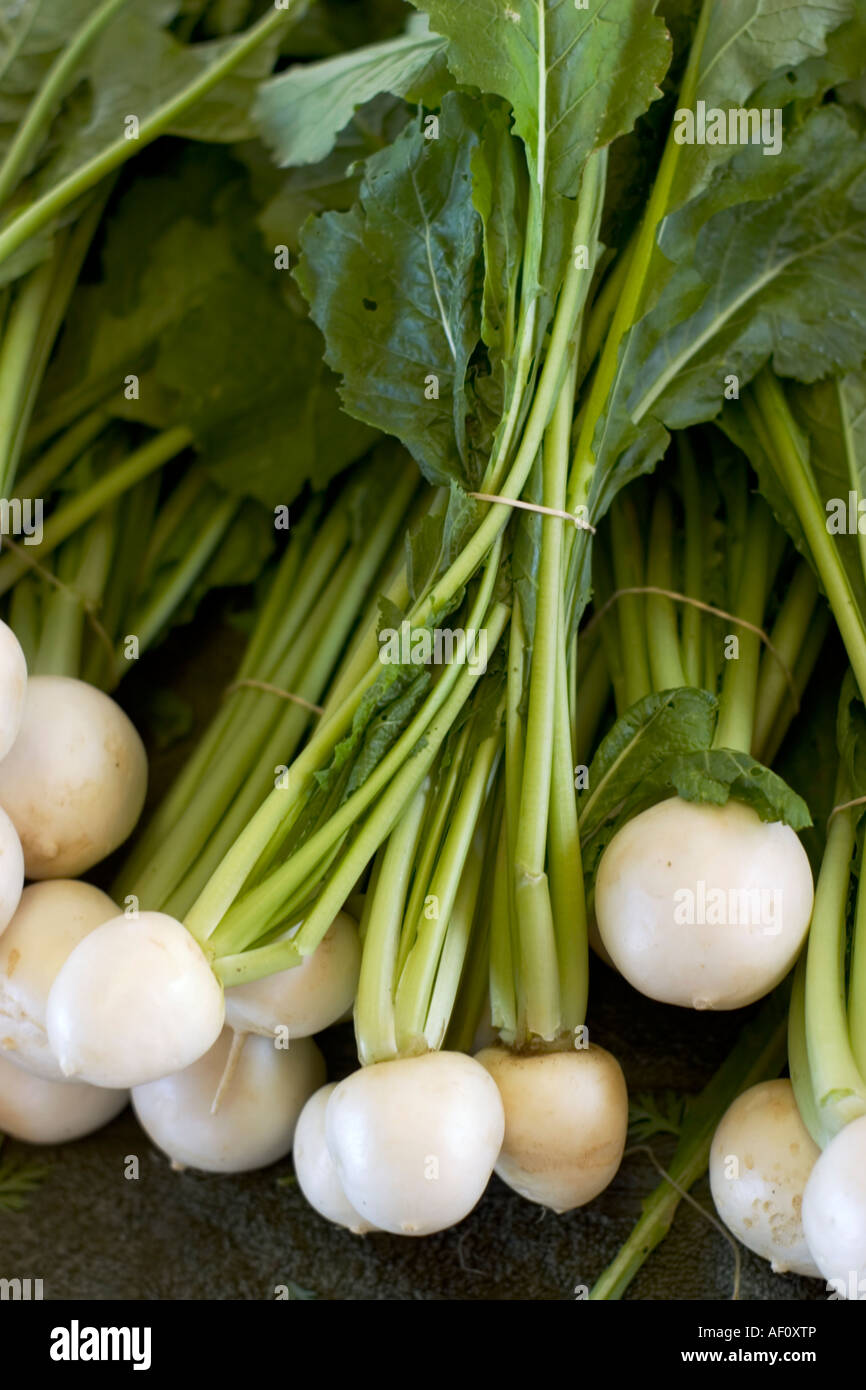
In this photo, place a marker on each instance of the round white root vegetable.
(37, 1111)
(134, 1001)
(315, 1169)
(415, 1140)
(50, 1112)
(703, 906)
(74, 782)
(760, 1161)
(51, 920)
(11, 871)
(254, 1123)
(566, 1119)
(834, 1212)
(309, 997)
(13, 685)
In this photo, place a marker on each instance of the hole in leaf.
(369, 304)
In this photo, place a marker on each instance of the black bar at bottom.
(62, 1339)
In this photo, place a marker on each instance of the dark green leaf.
(575, 79)
(393, 285)
(646, 736)
(266, 419)
(748, 43)
(810, 80)
(129, 72)
(715, 775)
(300, 113)
(185, 281)
(500, 195)
(767, 264)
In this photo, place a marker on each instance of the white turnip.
(52, 918)
(315, 1169)
(834, 1211)
(566, 1120)
(11, 871)
(760, 1161)
(74, 781)
(13, 685)
(309, 997)
(414, 1140)
(135, 1000)
(703, 906)
(48, 1112)
(254, 1123)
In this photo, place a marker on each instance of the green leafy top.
(186, 278)
(575, 79)
(662, 746)
(764, 265)
(394, 286)
(85, 88)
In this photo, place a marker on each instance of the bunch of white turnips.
(409, 1145)
(96, 1003)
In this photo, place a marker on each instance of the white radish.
(760, 1161)
(11, 870)
(315, 1169)
(74, 781)
(566, 1120)
(134, 1001)
(415, 1140)
(254, 1123)
(13, 685)
(309, 997)
(703, 906)
(834, 1212)
(52, 918)
(50, 1112)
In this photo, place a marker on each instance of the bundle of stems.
(711, 597)
(321, 601)
(251, 894)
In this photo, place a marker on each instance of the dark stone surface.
(91, 1233)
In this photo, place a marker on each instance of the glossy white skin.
(13, 685)
(566, 1119)
(415, 1140)
(11, 870)
(50, 1112)
(834, 1211)
(315, 1169)
(75, 780)
(254, 1124)
(761, 1202)
(52, 918)
(309, 997)
(134, 1001)
(664, 854)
